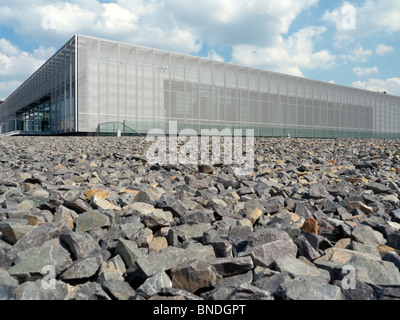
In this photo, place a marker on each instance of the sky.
(353, 43)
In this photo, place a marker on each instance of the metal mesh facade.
(146, 88)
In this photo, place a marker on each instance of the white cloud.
(383, 50)
(8, 86)
(361, 72)
(358, 54)
(174, 24)
(289, 55)
(17, 65)
(213, 55)
(372, 17)
(391, 85)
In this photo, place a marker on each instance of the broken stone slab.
(378, 188)
(33, 262)
(198, 251)
(36, 238)
(232, 266)
(368, 236)
(113, 269)
(14, 229)
(266, 235)
(169, 203)
(147, 265)
(376, 272)
(266, 254)
(305, 249)
(119, 290)
(8, 285)
(195, 231)
(91, 220)
(34, 290)
(193, 275)
(91, 291)
(309, 288)
(65, 217)
(129, 251)
(296, 268)
(83, 268)
(80, 244)
(247, 291)
(99, 203)
(158, 219)
(154, 284)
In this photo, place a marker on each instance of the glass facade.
(45, 103)
(92, 81)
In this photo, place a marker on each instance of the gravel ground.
(85, 218)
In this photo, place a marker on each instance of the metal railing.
(115, 128)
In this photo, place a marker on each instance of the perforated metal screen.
(146, 88)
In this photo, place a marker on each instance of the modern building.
(90, 84)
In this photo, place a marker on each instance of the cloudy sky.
(354, 43)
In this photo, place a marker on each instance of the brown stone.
(158, 244)
(384, 249)
(310, 226)
(97, 192)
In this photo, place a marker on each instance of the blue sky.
(354, 43)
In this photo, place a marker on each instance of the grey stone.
(83, 268)
(233, 281)
(154, 284)
(392, 257)
(378, 187)
(195, 217)
(37, 237)
(80, 244)
(375, 271)
(266, 254)
(91, 291)
(200, 252)
(272, 283)
(8, 285)
(309, 288)
(158, 219)
(361, 291)
(147, 265)
(90, 220)
(31, 262)
(296, 268)
(113, 269)
(267, 235)
(238, 235)
(232, 266)
(195, 231)
(318, 190)
(119, 290)
(368, 236)
(34, 290)
(129, 251)
(306, 249)
(14, 229)
(169, 203)
(179, 294)
(247, 291)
